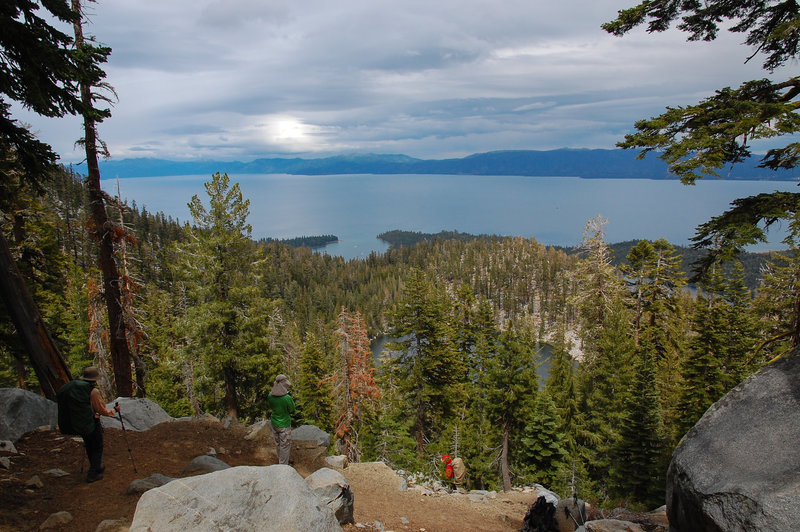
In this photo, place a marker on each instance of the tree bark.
(46, 359)
(102, 232)
(504, 459)
(231, 399)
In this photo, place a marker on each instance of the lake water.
(553, 210)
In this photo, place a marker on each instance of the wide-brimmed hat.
(281, 386)
(90, 374)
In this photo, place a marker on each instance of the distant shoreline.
(585, 164)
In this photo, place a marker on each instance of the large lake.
(554, 210)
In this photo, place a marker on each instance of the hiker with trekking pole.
(80, 406)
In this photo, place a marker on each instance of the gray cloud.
(241, 79)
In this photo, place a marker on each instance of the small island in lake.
(313, 242)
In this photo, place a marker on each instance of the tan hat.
(281, 386)
(90, 374)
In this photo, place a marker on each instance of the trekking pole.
(125, 435)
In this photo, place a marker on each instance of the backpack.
(75, 415)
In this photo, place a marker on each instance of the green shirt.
(281, 408)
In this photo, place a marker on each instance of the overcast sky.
(243, 79)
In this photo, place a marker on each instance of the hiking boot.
(93, 476)
(101, 469)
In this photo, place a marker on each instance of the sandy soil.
(167, 448)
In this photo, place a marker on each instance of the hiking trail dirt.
(168, 447)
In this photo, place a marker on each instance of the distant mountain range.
(553, 163)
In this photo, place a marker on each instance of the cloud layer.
(242, 79)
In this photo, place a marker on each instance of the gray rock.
(541, 491)
(261, 430)
(5, 462)
(56, 472)
(334, 490)
(112, 525)
(22, 411)
(140, 485)
(244, 498)
(311, 435)
(736, 469)
(7, 446)
(611, 525)
(137, 414)
(204, 464)
(570, 514)
(56, 520)
(339, 462)
(477, 497)
(34, 483)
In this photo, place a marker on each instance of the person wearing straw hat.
(282, 406)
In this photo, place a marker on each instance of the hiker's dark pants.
(94, 447)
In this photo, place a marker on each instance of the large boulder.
(311, 436)
(310, 444)
(244, 498)
(22, 411)
(137, 414)
(204, 464)
(334, 490)
(736, 469)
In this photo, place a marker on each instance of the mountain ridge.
(565, 162)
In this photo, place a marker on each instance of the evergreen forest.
(635, 358)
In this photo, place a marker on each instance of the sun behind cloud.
(286, 129)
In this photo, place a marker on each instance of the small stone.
(34, 482)
(113, 525)
(56, 472)
(7, 447)
(5, 462)
(404, 520)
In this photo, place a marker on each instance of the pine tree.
(640, 457)
(724, 341)
(313, 390)
(608, 347)
(39, 72)
(427, 368)
(655, 282)
(509, 383)
(544, 453)
(217, 263)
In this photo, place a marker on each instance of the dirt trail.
(168, 447)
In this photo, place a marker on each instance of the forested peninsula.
(213, 315)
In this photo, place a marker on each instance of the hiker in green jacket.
(282, 405)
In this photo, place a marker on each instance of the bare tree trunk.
(504, 459)
(128, 287)
(102, 230)
(231, 399)
(46, 359)
(188, 379)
